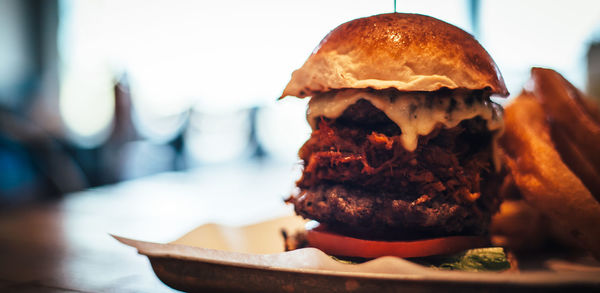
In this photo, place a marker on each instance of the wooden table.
(65, 246)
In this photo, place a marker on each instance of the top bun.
(409, 52)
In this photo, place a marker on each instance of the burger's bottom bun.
(542, 178)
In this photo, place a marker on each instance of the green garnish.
(473, 260)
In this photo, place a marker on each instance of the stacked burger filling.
(427, 173)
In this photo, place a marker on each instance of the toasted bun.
(409, 52)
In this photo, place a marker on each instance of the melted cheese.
(413, 112)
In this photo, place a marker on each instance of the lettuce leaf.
(472, 260)
(489, 259)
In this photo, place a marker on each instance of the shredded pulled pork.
(444, 164)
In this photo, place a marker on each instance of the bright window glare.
(552, 34)
(87, 104)
(455, 12)
(217, 137)
(216, 56)
(282, 128)
(221, 52)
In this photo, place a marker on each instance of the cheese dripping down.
(415, 113)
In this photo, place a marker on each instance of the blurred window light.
(87, 104)
(553, 34)
(217, 137)
(220, 56)
(86, 98)
(282, 128)
(157, 127)
(204, 50)
(455, 12)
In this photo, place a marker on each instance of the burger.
(402, 159)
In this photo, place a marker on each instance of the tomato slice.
(339, 245)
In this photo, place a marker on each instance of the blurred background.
(95, 92)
